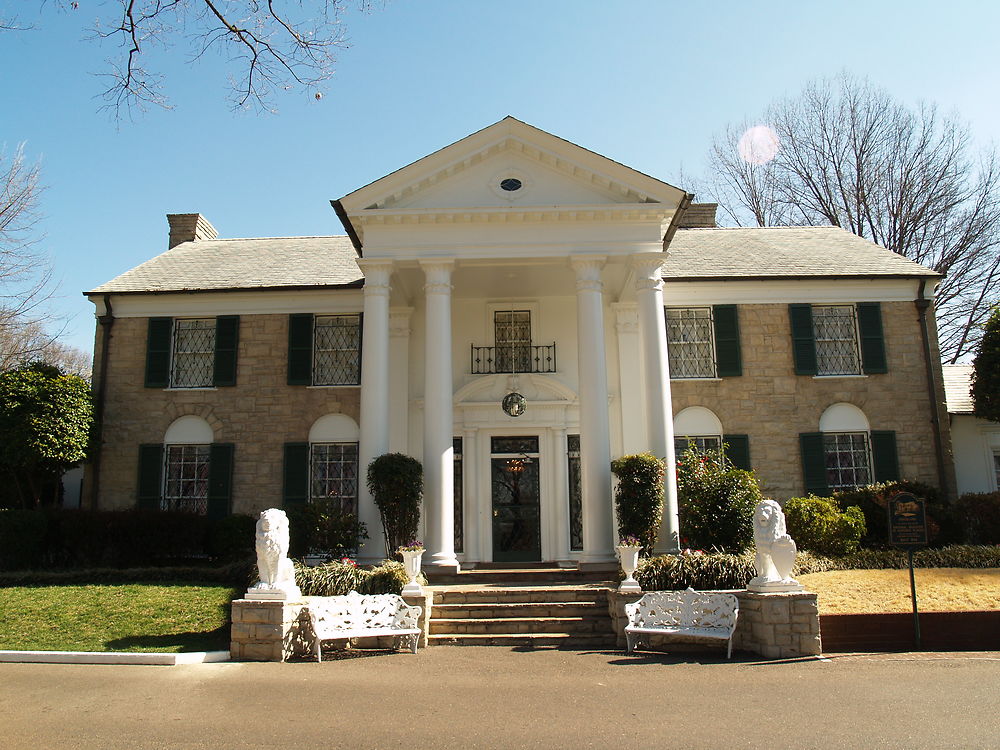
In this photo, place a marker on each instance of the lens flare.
(758, 145)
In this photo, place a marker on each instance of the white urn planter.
(629, 556)
(411, 563)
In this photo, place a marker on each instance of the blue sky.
(645, 83)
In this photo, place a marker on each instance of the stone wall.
(772, 404)
(775, 626)
(258, 415)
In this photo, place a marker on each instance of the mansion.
(515, 311)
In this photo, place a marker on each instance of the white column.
(439, 498)
(374, 439)
(399, 379)
(560, 485)
(595, 440)
(656, 371)
(630, 386)
(473, 509)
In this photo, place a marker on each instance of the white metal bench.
(363, 616)
(701, 614)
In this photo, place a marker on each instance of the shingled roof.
(262, 263)
(781, 252)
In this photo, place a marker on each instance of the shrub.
(321, 527)
(338, 578)
(942, 526)
(715, 502)
(816, 524)
(986, 370)
(396, 482)
(639, 497)
(979, 515)
(699, 571)
(232, 538)
(22, 539)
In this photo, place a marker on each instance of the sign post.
(908, 530)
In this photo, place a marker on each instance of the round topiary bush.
(817, 524)
(396, 482)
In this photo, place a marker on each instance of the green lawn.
(135, 617)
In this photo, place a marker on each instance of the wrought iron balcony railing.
(488, 360)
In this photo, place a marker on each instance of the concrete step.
(520, 575)
(522, 594)
(527, 640)
(521, 625)
(519, 609)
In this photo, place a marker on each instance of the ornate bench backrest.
(355, 611)
(680, 609)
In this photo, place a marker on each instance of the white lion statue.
(277, 574)
(775, 550)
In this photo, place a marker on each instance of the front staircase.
(531, 608)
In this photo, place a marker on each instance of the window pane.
(575, 492)
(835, 329)
(193, 354)
(996, 467)
(186, 479)
(337, 350)
(514, 445)
(333, 474)
(848, 459)
(512, 335)
(689, 343)
(458, 495)
(701, 443)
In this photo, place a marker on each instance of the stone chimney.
(699, 216)
(189, 228)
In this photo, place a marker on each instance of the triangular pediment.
(511, 164)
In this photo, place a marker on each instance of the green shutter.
(150, 484)
(220, 479)
(300, 344)
(295, 484)
(227, 339)
(813, 463)
(738, 450)
(886, 468)
(728, 361)
(158, 352)
(873, 360)
(803, 341)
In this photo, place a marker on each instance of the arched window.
(846, 452)
(325, 469)
(187, 447)
(699, 426)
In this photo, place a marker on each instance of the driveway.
(492, 697)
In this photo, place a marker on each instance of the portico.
(502, 243)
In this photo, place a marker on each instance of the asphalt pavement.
(493, 697)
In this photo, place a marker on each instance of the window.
(830, 340)
(192, 352)
(324, 349)
(186, 487)
(512, 335)
(575, 492)
(848, 459)
(996, 468)
(701, 443)
(333, 474)
(703, 342)
(846, 452)
(459, 508)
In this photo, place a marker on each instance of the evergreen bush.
(698, 571)
(979, 515)
(639, 497)
(985, 389)
(396, 482)
(343, 576)
(818, 525)
(321, 527)
(715, 502)
(873, 499)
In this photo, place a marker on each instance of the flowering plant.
(348, 561)
(630, 540)
(413, 546)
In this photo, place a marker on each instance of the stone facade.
(772, 404)
(775, 626)
(258, 415)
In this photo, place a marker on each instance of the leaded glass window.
(689, 342)
(193, 357)
(512, 335)
(337, 350)
(333, 474)
(848, 459)
(835, 329)
(996, 467)
(458, 496)
(186, 479)
(701, 443)
(575, 492)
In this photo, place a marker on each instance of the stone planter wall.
(775, 626)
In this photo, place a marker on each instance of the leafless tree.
(268, 45)
(909, 179)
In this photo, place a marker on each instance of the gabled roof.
(781, 252)
(260, 263)
(957, 382)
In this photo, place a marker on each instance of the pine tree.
(986, 371)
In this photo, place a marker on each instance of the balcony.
(490, 360)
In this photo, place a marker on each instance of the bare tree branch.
(852, 156)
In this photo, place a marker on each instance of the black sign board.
(907, 521)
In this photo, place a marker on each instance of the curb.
(113, 657)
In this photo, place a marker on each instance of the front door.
(516, 499)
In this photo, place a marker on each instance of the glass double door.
(516, 497)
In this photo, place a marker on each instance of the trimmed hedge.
(236, 574)
(639, 497)
(816, 524)
(338, 578)
(979, 514)
(943, 527)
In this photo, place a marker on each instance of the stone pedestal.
(775, 626)
(269, 630)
